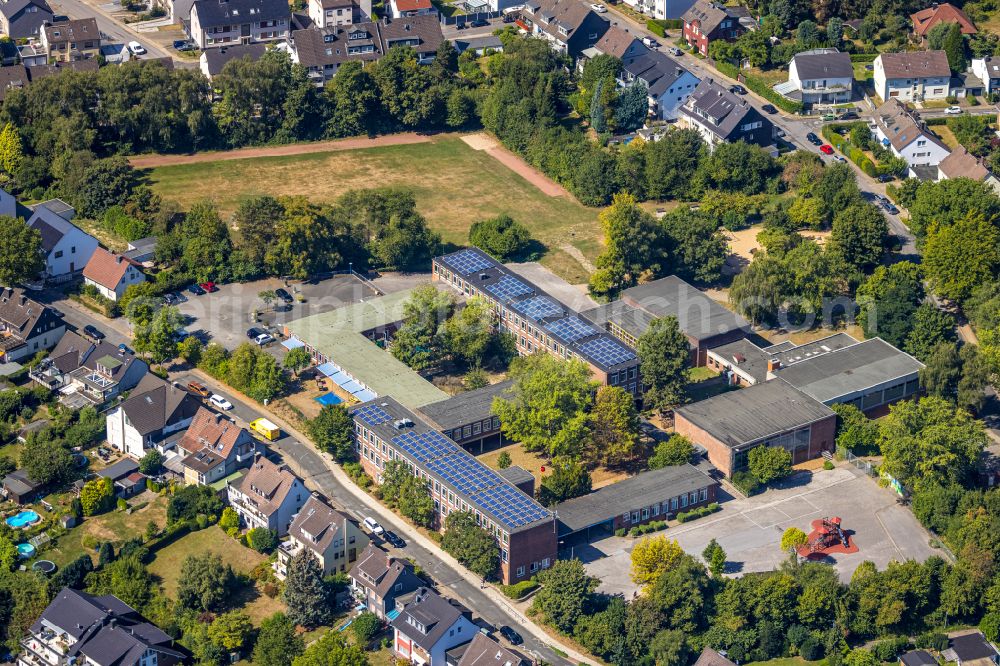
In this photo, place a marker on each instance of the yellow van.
(266, 429)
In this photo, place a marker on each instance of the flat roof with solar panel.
(570, 329)
(607, 351)
(507, 288)
(538, 307)
(449, 464)
(468, 262)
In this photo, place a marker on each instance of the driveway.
(750, 530)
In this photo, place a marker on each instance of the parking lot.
(750, 530)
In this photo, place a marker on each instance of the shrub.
(620, 532)
(262, 539)
(357, 474)
(746, 483)
(122, 504)
(932, 639)
(863, 57)
(759, 87)
(694, 514)
(810, 650)
(951, 99)
(888, 650)
(828, 465)
(657, 27)
(520, 590)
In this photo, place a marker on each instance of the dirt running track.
(152, 161)
(485, 142)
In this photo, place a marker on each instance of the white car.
(599, 8)
(953, 110)
(135, 48)
(650, 42)
(220, 402)
(263, 339)
(373, 526)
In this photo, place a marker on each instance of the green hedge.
(759, 87)
(693, 514)
(654, 526)
(656, 27)
(863, 57)
(520, 590)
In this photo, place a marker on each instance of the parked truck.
(266, 429)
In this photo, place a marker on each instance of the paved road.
(113, 30)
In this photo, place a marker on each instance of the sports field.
(454, 185)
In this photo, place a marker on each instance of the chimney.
(773, 364)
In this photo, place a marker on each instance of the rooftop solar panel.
(606, 351)
(570, 328)
(538, 307)
(372, 415)
(425, 446)
(508, 288)
(469, 261)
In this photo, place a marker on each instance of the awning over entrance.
(328, 369)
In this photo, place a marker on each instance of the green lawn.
(454, 186)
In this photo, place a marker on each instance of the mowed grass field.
(454, 186)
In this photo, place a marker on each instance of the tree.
(568, 479)
(500, 236)
(331, 650)
(470, 544)
(297, 359)
(268, 296)
(47, 461)
(256, 219)
(792, 539)
(953, 44)
(634, 244)
(652, 556)
(11, 152)
(770, 463)
(961, 256)
(834, 31)
(158, 339)
(190, 349)
(943, 203)
(664, 358)
(150, 463)
(306, 594)
(975, 379)
(675, 451)
(229, 521)
(931, 327)
(631, 107)
(262, 539)
(565, 594)
(231, 630)
(698, 248)
(205, 583)
(544, 409)
(614, 427)
(418, 342)
(74, 574)
(888, 300)
(716, 560)
(855, 431)
(503, 460)
(859, 234)
(21, 258)
(415, 501)
(277, 643)
(126, 578)
(9, 555)
(97, 495)
(598, 109)
(365, 627)
(469, 332)
(670, 648)
(333, 432)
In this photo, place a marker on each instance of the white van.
(373, 526)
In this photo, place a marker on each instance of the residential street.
(111, 30)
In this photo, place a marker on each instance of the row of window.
(477, 428)
(534, 567)
(667, 506)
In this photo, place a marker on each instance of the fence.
(865, 466)
(462, 19)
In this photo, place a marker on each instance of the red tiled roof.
(106, 268)
(212, 431)
(926, 19)
(412, 5)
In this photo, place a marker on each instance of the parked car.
(953, 110)
(889, 207)
(840, 158)
(650, 42)
(479, 23)
(136, 49)
(885, 178)
(263, 339)
(737, 89)
(196, 290)
(850, 115)
(253, 332)
(394, 539)
(599, 8)
(169, 299)
(512, 636)
(373, 526)
(92, 332)
(209, 287)
(769, 108)
(828, 117)
(124, 349)
(283, 295)
(826, 149)
(674, 51)
(198, 389)
(183, 45)
(220, 402)
(813, 139)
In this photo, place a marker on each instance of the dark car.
(769, 108)
(813, 139)
(850, 115)
(737, 90)
(394, 539)
(479, 23)
(511, 635)
(889, 208)
(92, 331)
(169, 299)
(179, 43)
(886, 178)
(253, 332)
(124, 349)
(196, 290)
(283, 295)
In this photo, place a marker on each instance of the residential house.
(13, 77)
(481, 46)
(971, 649)
(710, 657)
(26, 326)
(21, 489)
(668, 84)
(333, 538)
(721, 116)
(212, 61)
(617, 42)
(21, 19)
(420, 33)
(88, 373)
(81, 628)
(142, 251)
(115, 54)
(706, 21)
(32, 54)
(484, 651)
(76, 39)
(428, 625)
(67, 248)
(328, 13)
(943, 12)
(987, 70)
(377, 579)
(214, 447)
(902, 131)
(661, 9)
(34, 65)
(153, 411)
(268, 496)
(219, 22)
(963, 164)
(570, 26)
(125, 476)
(912, 76)
(404, 8)
(917, 658)
(819, 76)
(111, 274)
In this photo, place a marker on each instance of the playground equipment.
(827, 535)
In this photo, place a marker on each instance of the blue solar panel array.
(508, 288)
(570, 329)
(511, 504)
(538, 307)
(607, 351)
(464, 473)
(372, 415)
(425, 446)
(469, 261)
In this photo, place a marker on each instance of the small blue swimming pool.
(328, 399)
(23, 519)
(25, 550)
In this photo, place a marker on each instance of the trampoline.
(44, 566)
(328, 399)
